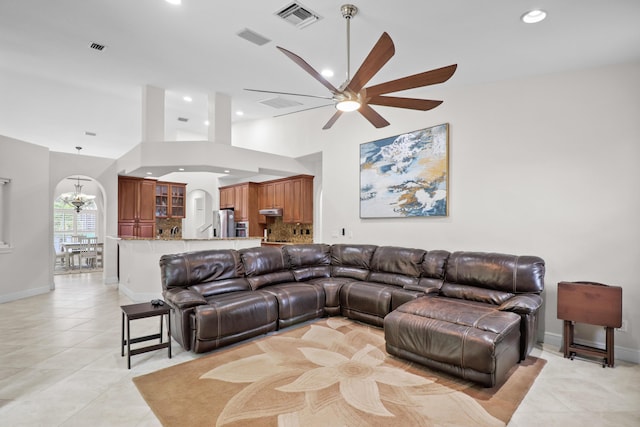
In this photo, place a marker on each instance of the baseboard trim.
(25, 294)
(621, 353)
(111, 280)
(138, 296)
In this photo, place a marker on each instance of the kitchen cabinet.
(241, 202)
(294, 195)
(227, 196)
(270, 196)
(243, 199)
(169, 201)
(298, 200)
(136, 207)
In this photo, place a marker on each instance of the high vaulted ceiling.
(54, 88)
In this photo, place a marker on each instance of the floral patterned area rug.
(330, 372)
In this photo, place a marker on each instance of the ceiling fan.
(352, 95)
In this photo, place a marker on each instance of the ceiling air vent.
(298, 15)
(253, 37)
(279, 102)
(96, 46)
(183, 119)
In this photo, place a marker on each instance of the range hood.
(270, 212)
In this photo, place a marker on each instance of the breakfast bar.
(138, 258)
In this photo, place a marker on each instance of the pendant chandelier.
(77, 199)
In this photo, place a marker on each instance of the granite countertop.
(190, 240)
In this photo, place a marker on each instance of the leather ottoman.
(233, 317)
(467, 339)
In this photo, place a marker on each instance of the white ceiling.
(54, 88)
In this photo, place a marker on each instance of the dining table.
(74, 249)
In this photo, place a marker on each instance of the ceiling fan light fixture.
(533, 16)
(348, 105)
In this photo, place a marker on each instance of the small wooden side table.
(592, 303)
(141, 311)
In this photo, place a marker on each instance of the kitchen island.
(138, 260)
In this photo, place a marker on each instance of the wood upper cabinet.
(169, 200)
(243, 198)
(298, 200)
(241, 202)
(136, 207)
(227, 196)
(270, 196)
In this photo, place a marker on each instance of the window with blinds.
(69, 225)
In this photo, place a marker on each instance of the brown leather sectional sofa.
(470, 314)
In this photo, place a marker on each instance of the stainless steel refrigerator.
(223, 223)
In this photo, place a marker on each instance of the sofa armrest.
(184, 298)
(522, 304)
(429, 290)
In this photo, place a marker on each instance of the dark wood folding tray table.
(141, 311)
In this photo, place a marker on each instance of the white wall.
(27, 268)
(103, 172)
(545, 166)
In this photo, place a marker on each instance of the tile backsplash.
(278, 231)
(165, 225)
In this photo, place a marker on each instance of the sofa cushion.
(265, 266)
(501, 272)
(396, 260)
(192, 268)
(474, 293)
(434, 265)
(352, 261)
(308, 261)
(366, 301)
(208, 289)
(297, 302)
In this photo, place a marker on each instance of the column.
(219, 116)
(152, 114)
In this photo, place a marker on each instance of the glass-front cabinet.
(162, 200)
(170, 200)
(177, 201)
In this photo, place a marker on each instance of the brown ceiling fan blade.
(379, 55)
(372, 115)
(332, 120)
(309, 69)
(287, 93)
(439, 75)
(410, 103)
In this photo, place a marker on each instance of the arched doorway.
(78, 234)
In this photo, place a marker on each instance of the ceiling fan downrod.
(348, 12)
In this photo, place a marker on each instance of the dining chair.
(62, 257)
(88, 252)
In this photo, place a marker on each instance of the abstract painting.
(405, 175)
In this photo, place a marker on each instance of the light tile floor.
(60, 365)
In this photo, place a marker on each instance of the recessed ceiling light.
(533, 16)
(239, 113)
(327, 72)
(226, 171)
(149, 173)
(206, 123)
(181, 169)
(176, 2)
(187, 98)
